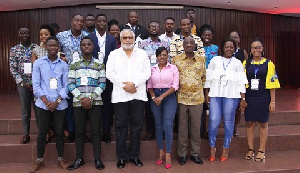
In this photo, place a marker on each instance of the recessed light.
(228, 2)
(44, 1)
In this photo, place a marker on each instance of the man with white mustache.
(128, 68)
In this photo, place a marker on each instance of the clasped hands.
(129, 87)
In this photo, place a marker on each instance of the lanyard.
(256, 68)
(52, 69)
(27, 51)
(100, 46)
(75, 43)
(87, 67)
(224, 64)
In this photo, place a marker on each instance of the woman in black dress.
(260, 97)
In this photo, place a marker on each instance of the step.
(281, 138)
(279, 161)
(14, 126)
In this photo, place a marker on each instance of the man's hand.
(86, 103)
(129, 87)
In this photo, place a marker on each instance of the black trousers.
(133, 111)
(43, 119)
(80, 116)
(107, 109)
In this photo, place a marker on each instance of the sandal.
(247, 157)
(260, 159)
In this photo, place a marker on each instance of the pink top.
(166, 78)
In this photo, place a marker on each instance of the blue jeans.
(221, 107)
(164, 115)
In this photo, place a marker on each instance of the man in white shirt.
(169, 27)
(128, 68)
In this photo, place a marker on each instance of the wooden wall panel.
(280, 33)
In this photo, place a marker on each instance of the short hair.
(101, 14)
(90, 15)
(159, 50)
(86, 38)
(126, 30)
(76, 15)
(52, 38)
(171, 18)
(223, 44)
(153, 21)
(206, 27)
(54, 25)
(189, 9)
(184, 18)
(24, 27)
(112, 22)
(49, 28)
(234, 31)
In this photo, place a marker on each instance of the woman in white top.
(225, 86)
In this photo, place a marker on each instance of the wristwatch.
(244, 98)
(58, 100)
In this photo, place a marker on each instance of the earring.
(263, 54)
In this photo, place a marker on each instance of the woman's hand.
(158, 100)
(243, 105)
(272, 106)
(207, 101)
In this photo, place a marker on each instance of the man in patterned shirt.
(69, 42)
(176, 45)
(150, 45)
(86, 83)
(191, 67)
(20, 68)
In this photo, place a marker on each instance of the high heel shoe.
(250, 157)
(158, 162)
(222, 159)
(167, 166)
(260, 159)
(212, 158)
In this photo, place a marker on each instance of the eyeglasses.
(125, 38)
(256, 48)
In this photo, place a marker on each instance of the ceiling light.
(228, 2)
(44, 1)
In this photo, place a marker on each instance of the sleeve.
(59, 37)
(173, 48)
(204, 73)
(36, 80)
(242, 78)
(111, 73)
(209, 73)
(175, 84)
(149, 83)
(245, 70)
(72, 82)
(146, 73)
(272, 81)
(13, 63)
(101, 82)
(64, 90)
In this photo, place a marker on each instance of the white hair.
(126, 30)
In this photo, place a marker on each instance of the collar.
(47, 59)
(98, 35)
(133, 52)
(186, 57)
(70, 33)
(21, 45)
(182, 37)
(156, 65)
(83, 60)
(149, 39)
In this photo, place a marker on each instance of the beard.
(126, 47)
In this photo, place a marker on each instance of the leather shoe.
(37, 166)
(182, 160)
(121, 163)
(148, 136)
(76, 164)
(62, 164)
(197, 160)
(106, 138)
(98, 164)
(25, 139)
(136, 162)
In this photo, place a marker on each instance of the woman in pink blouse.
(163, 83)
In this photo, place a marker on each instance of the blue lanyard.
(52, 70)
(27, 51)
(87, 67)
(75, 43)
(227, 64)
(256, 68)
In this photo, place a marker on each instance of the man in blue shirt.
(50, 80)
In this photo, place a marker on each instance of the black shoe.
(197, 160)
(98, 164)
(137, 162)
(182, 160)
(76, 164)
(25, 139)
(106, 138)
(148, 136)
(204, 135)
(121, 163)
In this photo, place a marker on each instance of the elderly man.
(128, 68)
(191, 67)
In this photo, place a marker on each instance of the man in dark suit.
(104, 43)
(138, 30)
(190, 14)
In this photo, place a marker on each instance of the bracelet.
(153, 98)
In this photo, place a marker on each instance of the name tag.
(27, 68)
(153, 59)
(53, 83)
(254, 84)
(223, 80)
(76, 57)
(101, 57)
(84, 80)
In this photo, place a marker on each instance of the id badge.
(76, 57)
(27, 68)
(53, 83)
(101, 57)
(84, 80)
(223, 80)
(254, 84)
(153, 59)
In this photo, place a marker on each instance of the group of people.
(131, 72)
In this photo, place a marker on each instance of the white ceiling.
(285, 7)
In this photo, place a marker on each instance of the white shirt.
(101, 42)
(234, 75)
(121, 68)
(166, 38)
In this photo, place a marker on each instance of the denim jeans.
(164, 115)
(221, 107)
